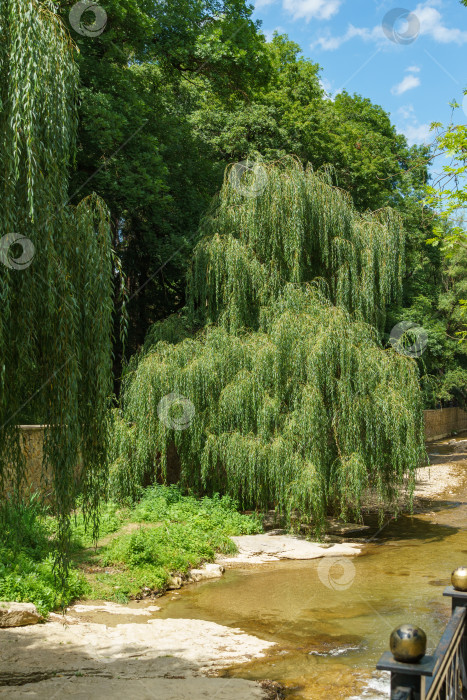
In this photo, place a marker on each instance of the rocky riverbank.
(272, 547)
(154, 658)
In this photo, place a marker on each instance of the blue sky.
(414, 80)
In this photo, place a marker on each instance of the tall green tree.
(448, 198)
(449, 194)
(285, 398)
(139, 80)
(291, 113)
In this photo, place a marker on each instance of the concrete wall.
(32, 440)
(443, 422)
(438, 424)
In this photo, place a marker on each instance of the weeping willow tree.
(298, 229)
(56, 279)
(296, 403)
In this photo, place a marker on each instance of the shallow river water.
(332, 619)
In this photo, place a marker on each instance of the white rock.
(207, 571)
(261, 549)
(175, 582)
(113, 609)
(18, 614)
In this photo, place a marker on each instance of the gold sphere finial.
(459, 578)
(408, 643)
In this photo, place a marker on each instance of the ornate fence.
(441, 676)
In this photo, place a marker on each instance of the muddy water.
(332, 619)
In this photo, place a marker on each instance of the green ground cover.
(140, 547)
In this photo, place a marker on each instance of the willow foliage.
(298, 229)
(55, 317)
(297, 405)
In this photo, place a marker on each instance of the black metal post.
(459, 600)
(407, 676)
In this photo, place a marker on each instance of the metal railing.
(441, 676)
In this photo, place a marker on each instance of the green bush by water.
(177, 532)
(171, 533)
(216, 513)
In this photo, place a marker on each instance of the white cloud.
(412, 69)
(407, 112)
(408, 83)
(309, 9)
(417, 133)
(414, 132)
(431, 24)
(330, 43)
(327, 88)
(430, 19)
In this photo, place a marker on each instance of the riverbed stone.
(261, 549)
(18, 614)
(175, 582)
(208, 571)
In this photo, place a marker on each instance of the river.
(331, 620)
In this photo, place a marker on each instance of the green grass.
(111, 517)
(26, 563)
(166, 533)
(176, 533)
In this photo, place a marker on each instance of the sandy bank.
(446, 473)
(152, 659)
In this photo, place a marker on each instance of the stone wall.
(32, 440)
(443, 422)
(438, 424)
(32, 446)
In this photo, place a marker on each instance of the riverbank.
(299, 623)
(169, 659)
(446, 473)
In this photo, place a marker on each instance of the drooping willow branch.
(297, 405)
(55, 315)
(299, 229)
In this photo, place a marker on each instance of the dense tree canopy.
(169, 97)
(160, 137)
(137, 86)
